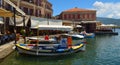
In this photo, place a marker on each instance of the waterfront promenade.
(6, 49)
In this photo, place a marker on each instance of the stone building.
(77, 14)
(84, 17)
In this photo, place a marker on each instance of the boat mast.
(37, 40)
(24, 29)
(14, 10)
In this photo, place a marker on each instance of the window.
(37, 2)
(31, 11)
(88, 16)
(40, 13)
(69, 16)
(25, 10)
(73, 16)
(36, 13)
(0, 2)
(31, 1)
(40, 3)
(93, 15)
(83, 16)
(65, 16)
(78, 16)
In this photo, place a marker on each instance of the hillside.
(109, 21)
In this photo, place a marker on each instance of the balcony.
(27, 3)
(1, 4)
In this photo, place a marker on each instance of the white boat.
(87, 35)
(74, 36)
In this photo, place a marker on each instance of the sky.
(104, 8)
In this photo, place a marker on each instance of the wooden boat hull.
(50, 52)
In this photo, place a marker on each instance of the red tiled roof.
(77, 10)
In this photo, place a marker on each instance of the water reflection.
(17, 59)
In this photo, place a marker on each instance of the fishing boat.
(51, 47)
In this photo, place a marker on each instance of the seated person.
(63, 43)
(46, 37)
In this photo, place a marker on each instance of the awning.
(5, 13)
(54, 27)
(55, 22)
(89, 21)
(19, 21)
(78, 26)
(35, 21)
(108, 25)
(13, 5)
(1, 22)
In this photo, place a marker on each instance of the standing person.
(17, 36)
(69, 41)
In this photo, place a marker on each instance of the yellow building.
(39, 8)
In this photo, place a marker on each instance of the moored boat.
(49, 47)
(87, 35)
(74, 36)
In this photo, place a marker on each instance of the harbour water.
(101, 50)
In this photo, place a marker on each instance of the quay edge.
(6, 49)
